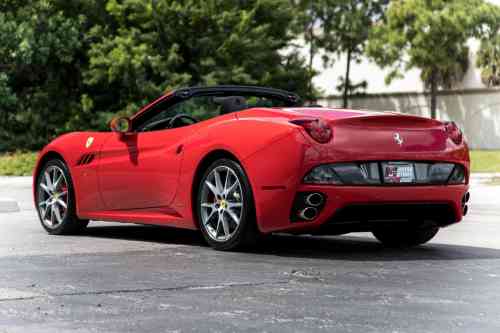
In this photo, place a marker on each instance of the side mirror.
(121, 125)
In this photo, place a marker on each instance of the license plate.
(396, 173)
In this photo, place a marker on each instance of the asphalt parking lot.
(124, 278)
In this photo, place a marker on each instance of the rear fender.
(275, 173)
(248, 140)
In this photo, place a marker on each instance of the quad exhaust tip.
(307, 206)
(314, 199)
(465, 200)
(308, 213)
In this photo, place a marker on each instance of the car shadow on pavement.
(314, 247)
(146, 233)
(357, 248)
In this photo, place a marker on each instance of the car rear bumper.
(356, 208)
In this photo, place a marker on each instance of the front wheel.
(225, 206)
(55, 200)
(406, 236)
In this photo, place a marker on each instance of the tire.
(223, 203)
(54, 190)
(408, 236)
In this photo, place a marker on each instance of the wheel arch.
(204, 163)
(47, 156)
(44, 157)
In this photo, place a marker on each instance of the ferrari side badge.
(90, 141)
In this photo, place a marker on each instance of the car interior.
(201, 108)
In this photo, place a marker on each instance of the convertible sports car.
(238, 162)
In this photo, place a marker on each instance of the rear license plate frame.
(395, 173)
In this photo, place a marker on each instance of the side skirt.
(150, 216)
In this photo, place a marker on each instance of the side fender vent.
(86, 159)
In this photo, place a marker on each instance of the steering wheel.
(175, 118)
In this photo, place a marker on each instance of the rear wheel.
(55, 200)
(407, 236)
(225, 206)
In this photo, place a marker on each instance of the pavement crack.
(146, 290)
(20, 298)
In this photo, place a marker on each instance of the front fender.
(70, 148)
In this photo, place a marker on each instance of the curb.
(8, 206)
(483, 176)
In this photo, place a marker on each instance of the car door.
(140, 169)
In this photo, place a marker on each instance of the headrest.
(231, 103)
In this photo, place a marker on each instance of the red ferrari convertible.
(238, 162)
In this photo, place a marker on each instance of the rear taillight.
(454, 133)
(318, 129)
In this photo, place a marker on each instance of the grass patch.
(495, 181)
(485, 160)
(17, 163)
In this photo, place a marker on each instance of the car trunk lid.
(379, 132)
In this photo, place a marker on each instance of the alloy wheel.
(221, 203)
(53, 197)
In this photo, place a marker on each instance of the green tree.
(40, 55)
(68, 65)
(347, 26)
(309, 27)
(150, 46)
(338, 27)
(488, 56)
(488, 59)
(430, 36)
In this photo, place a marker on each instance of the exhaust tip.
(308, 213)
(314, 199)
(466, 209)
(465, 200)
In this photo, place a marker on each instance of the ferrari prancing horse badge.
(90, 140)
